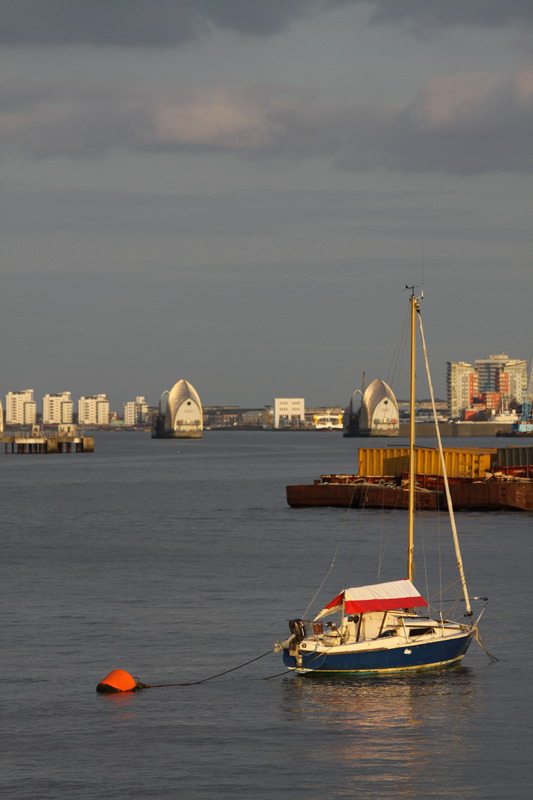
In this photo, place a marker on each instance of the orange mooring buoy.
(118, 680)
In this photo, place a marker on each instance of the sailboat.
(386, 627)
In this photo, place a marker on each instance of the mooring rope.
(277, 675)
(477, 637)
(317, 655)
(204, 680)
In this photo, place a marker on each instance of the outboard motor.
(297, 628)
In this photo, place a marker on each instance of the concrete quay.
(47, 444)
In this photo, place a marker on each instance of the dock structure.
(47, 444)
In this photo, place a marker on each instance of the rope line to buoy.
(277, 675)
(317, 655)
(477, 637)
(204, 680)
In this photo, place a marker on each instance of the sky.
(238, 193)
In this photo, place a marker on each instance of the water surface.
(176, 560)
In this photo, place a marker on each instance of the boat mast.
(412, 466)
(459, 560)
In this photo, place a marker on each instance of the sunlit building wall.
(57, 409)
(135, 411)
(289, 411)
(93, 410)
(21, 408)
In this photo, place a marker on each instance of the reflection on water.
(122, 704)
(394, 729)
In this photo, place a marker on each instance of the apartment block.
(58, 409)
(135, 411)
(21, 408)
(490, 369)
(93, 410)
(497, 377)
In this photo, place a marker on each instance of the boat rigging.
(387, 627)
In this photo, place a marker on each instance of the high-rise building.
(135, 411)
(21, 408)
(93, 410)
(496, 375)
(462, 385)
(57, 409)
(511, 381)
(489, 368)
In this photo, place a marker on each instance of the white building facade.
(21, 408)
(57, 409)
(93, 410)
(289, 412)
(135, 411)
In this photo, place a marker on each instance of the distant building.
(379, 414)
(93, 410)
(57, 409)
(462, 385)
(21, 408)
(289, 412)
(136, 411)
(489, 368)
(235, 417)
(498, 378)
(1, 418)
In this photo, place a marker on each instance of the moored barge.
(480, 479)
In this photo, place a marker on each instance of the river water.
(178, 560)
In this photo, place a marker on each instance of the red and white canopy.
(377, 597)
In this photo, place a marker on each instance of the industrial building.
(289, 412)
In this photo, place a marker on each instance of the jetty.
(45, 444)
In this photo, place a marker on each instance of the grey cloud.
(459, 124)
(144, 23)
(168, 23)
(429, 15)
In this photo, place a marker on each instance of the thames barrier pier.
(183, 417)
(47, 444)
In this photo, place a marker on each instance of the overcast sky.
(236, 193)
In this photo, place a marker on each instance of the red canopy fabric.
(375, 597)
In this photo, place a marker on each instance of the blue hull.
(405, 657)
